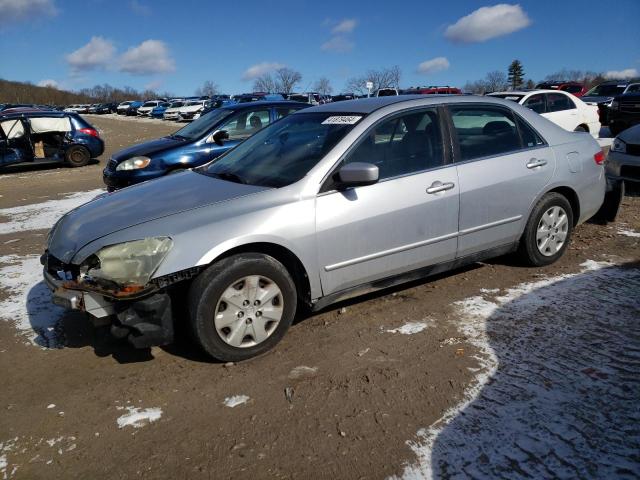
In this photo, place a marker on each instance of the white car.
(560, 107)
(173, 111)
(145, 109)
(191, 110)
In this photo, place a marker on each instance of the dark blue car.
(194, 145)
(34, 135)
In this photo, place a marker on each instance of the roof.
(368, 105)
(529, 92)
(36, 113)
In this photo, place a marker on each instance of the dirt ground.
(493, 371)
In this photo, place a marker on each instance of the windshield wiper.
(229, 176)
(173, 135)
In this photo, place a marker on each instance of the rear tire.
(241, 306)
(77, 156)
(548, 231)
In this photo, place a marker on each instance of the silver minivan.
(323, 205)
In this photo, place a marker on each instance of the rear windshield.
(283, 152)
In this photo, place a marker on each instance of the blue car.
(194, 145)
(32, 136)
(158, 112)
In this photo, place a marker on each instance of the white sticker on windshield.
(342, 120)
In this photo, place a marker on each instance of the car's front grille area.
(630, 107)
(630, 171)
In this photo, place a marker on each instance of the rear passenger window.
(535, 103)
(557, 102)
(530, 138)
(402, 145)
(484, 131)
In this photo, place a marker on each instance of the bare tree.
(384, 77)
(264, 83)
(208, 89)
(495, 81)
(323, 86)
(286, 79)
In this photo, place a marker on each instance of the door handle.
(438, 186)
(533, 163)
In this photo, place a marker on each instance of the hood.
(139, 204)
(191, 108)
(631, 135)
(595, 99)
(148, 148)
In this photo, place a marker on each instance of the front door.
(408, 220)
(503, 165)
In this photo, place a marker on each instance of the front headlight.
(134, 163)
(618, 146)
(129, 265)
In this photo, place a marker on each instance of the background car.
(575, 88)
(623, 161)
(106, 108)
(562, 108)
(48, 135)
(624, 112)
(158, 111)
(432, 90)
(146, 107)
(173, 110)
(603, 94)
(130, 107)
(385, 92)
(188, 111)
(195, 144)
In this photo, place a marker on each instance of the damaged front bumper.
(144, 322)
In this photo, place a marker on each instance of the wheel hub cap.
(248, 311)
(552, 231)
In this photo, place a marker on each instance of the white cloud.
(338, 44)
(434, 65)
(140, 8)
(488, 22)
(620, 74)
(48, 83)
(345, 26)
(151, 56)
(153, 85)
(259, 69)
(95, 54)
(12, 11)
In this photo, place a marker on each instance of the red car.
(575, 88)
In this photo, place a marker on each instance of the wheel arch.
(290, 260)
(569, 193)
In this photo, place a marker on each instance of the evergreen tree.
(516, 74)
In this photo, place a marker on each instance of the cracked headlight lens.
(128, 264)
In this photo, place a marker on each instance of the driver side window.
(402, 145)
(245, 124)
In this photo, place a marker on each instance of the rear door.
(408, 220)
(562, 111)
(15, 146)
(502, 166)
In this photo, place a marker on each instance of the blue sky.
(176, 45)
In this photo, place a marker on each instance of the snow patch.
(235, 400)
(409, 328)
(628, 233)
(138, 417)
(301, 371)
(520, 303)
(27, 303)
(40, 216)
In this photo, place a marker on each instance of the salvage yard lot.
(492, 371)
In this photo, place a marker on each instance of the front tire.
(241, 306)
(77, 156)
(548, 231)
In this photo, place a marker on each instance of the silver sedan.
(323, 205)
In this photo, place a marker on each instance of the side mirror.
(357, 174)
(218, 137)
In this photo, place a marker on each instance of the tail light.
(599, 157)
(90, 131)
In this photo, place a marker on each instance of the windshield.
(283, 152)
(176, 104)
(202, 125)
(150, 104)
(605, 91)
